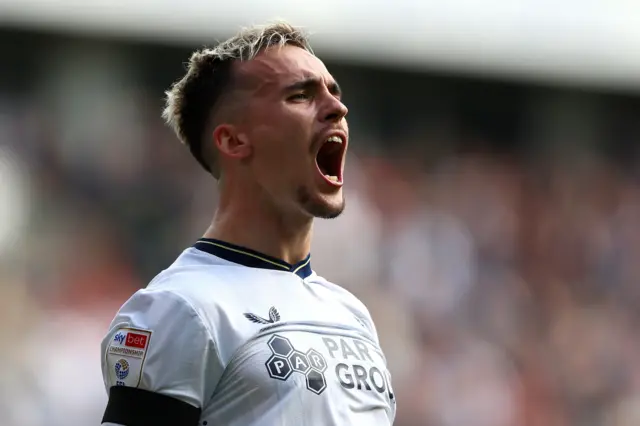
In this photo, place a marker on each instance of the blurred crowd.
(504, 288)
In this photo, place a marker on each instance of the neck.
(255, 223)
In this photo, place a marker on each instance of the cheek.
(281, 146)
(274, 161)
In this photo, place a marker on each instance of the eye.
(302, 96)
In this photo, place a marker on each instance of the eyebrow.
(314, 83)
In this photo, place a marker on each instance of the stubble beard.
(317, 207)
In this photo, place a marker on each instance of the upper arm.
(155, 360)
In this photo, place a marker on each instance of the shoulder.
(145, 345)
(204, 292)
(195, 291)
(193, 269)
(198, 279)
(173, 310)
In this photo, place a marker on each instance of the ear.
(230, 143)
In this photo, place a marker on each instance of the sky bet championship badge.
(125, 356)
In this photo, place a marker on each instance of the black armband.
(137, 407)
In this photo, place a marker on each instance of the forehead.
(281, 66)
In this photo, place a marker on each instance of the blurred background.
(493, 219)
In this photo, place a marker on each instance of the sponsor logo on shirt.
(125, 355)
(356, 368)
(287, 360)
(354, 365)
(129, 343)
(136, 340)
(119, 337)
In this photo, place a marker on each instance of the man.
(240, 331)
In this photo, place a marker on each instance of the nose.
(334, 110)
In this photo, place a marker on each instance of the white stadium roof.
(584, 42)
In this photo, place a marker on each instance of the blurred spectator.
(503, 276)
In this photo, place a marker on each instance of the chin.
(323, 206)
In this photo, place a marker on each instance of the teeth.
(332, 178)
(336, 139)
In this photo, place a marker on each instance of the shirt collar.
(252, 258)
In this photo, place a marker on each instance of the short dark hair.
(191, 100)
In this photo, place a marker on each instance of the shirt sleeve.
(159, 362)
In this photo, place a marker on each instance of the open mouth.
(329, 159)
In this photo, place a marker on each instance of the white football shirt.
(244, 339)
